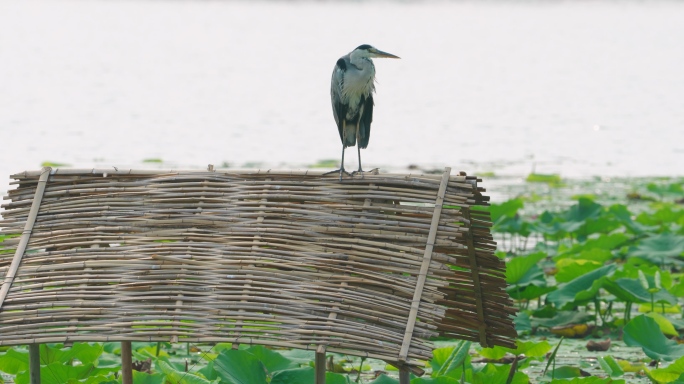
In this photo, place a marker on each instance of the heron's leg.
(341, 170)
(359, 149)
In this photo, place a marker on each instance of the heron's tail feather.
(349, 135)
(364, 134)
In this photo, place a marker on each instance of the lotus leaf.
(304, 376)
(633, 291)
(665, 215)
(570, 269)
(235, 366)
(669, 374)
(13, 362)
(58, 373)
(518, 269)
(562, 318)
(624, 216)
(384, 379)
(146, 378)
(581, 289)
(272, 360)
(506, 209)
(645, 332)
(435, 380)
(661, 249)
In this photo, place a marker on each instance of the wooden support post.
(126, 363)
(404, 374)
(319, 366)
(34, 363)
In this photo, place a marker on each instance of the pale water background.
(575, 88)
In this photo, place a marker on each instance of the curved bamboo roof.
(375, 265)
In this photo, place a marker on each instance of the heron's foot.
(340, 171)
(373, 171)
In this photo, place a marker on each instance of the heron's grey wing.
(338, 104)
(366, 121)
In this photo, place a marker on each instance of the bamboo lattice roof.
(374, 265)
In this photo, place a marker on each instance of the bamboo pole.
(319, 366)
(126, 363)
(422, 276)
(404, 374)
(25, 235)
(34, 363)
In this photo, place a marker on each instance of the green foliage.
(53, 164)
(273, 361)
(611, 366)
(176, 376)
(384, 379)
(669, 374)
(527, 348)
(552, 179)
(449, 361)
(521, 270)
(570, 269)
(588, 380)
(561, 318)
(564, 372)
(665, 325)
(303, 376)
(436, 380)
(644, 332)
(58, 373)
(326, 163)
(56, 353)
(146, 378)
(581, 289)
(660, 249)
(508, 209)
(13, 362)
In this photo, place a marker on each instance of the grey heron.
(351, 93)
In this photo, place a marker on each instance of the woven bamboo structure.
(374, 265)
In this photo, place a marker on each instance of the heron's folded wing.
(366, 120)
(339, 105)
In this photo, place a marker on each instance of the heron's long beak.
(379, 53)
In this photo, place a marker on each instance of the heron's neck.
(360, 62)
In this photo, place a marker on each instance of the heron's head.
(370, 51)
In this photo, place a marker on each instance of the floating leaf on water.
(53, 164)
(553, 178)
(573, 330)
(567, 372)
(326, 163)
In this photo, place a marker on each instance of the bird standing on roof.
(351, 93)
